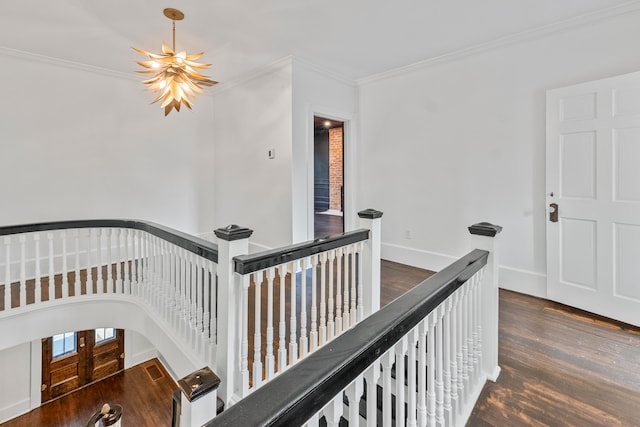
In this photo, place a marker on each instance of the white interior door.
(593, 175)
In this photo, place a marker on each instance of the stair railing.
(426, 355)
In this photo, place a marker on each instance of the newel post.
(371, 219)
(486, 236)
(198, 403)
(232, 241)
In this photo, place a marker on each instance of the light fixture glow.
(175, 74)
(327, 124)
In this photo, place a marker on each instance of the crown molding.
(312, 66)
(279, 64)
(36, 57)
(632, 6)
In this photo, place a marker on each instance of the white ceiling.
(354, 38)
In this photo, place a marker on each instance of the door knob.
(553, 214)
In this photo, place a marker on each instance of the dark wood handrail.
(191, 243)
(245, 264)
(304, 389)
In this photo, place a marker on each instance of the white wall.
(316, 92)
(78, 142)
(15, 369)
(250, 117)
(452, 143)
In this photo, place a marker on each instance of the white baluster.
(199, 295)
(193, 298)
(23, 270)
(128, 260)
(360, 303)
(269, 359)
(76, 281)
(100, 280)
(135, 263)
(181, 311)
(7, 273)
(460, 348)
(454, 355)
(387, 362)
(304, 347)
(330, 324)
(439, 368)
(282, 326)
(468, 357)
(346, 316)
(412, 409)
(446, 374)
(88, 286)
(353, 311)
(293, 339)
(313, 335)
(121, 262)
(52, 283)
(323, 303)
(431, 370)
(244, 350)
(213, 270)
(354, 393)
(401, 348)
(257, 362)
(65, 278)
(110, 282)
(372, 374)
(338, 291)
(37, 292)
(477, 299)
(333, 411)
(206, 300)
(422, 372)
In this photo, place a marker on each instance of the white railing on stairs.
(55, 263)
(424, 356)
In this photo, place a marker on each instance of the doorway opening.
(328, 176)
(74, 359)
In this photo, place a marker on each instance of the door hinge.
(43, 387)
(121, 355)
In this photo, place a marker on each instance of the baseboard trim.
(9, 412)
(415, 257)
(513, 279)
(523, 281)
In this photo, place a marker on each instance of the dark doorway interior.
(328, 177)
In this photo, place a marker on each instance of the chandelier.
(175, 74)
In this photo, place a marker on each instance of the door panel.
(593, 175)
(86, 362)
(107, 358)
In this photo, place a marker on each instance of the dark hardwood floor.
(327, 225)
(560, 367)
(144, 391)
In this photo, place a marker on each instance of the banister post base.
(372, 220)
(486, 236)
(232, 241)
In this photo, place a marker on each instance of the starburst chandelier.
(175, 74)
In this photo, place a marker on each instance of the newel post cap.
(485, 229)
(198, 383)
(370, 214)
(233, 232)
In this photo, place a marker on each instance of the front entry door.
(593, 197)
(74, 359)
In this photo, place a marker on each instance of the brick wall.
(335, 169)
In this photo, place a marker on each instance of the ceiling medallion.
(175, 75)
